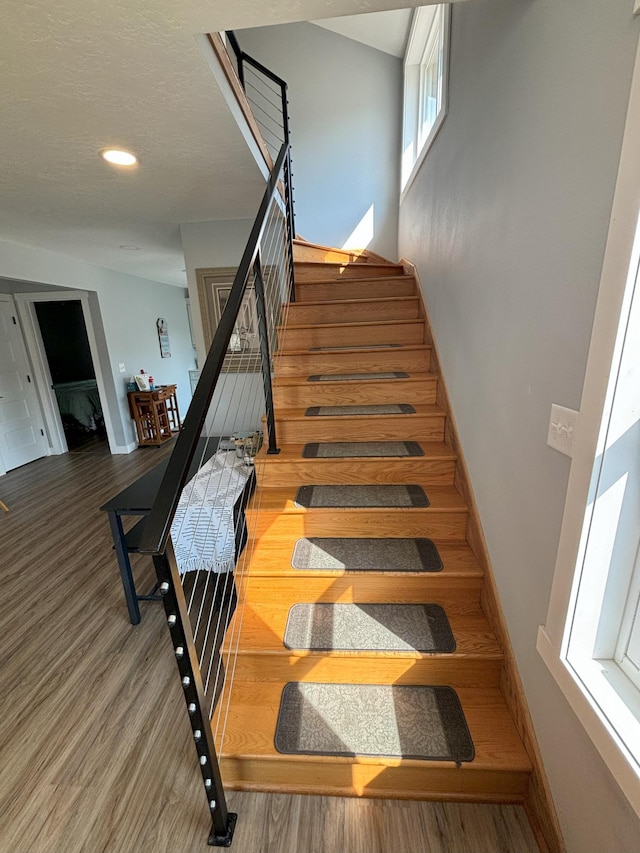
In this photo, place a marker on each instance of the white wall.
(128, 308)
(345, 104)
(507, 222)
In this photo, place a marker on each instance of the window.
(425, 85)
(591, 639)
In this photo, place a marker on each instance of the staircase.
(360, 315)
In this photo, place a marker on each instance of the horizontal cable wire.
(259, 75)
(276, 104)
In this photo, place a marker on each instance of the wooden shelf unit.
(156, 414)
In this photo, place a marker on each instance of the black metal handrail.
(158, 524)
(244, 59)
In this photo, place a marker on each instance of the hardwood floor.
(95, 746)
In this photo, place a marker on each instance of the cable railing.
(197, 531)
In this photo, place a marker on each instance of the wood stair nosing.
(344, 334)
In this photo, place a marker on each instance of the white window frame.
(630, 627)
(430, 28)
(605, 700)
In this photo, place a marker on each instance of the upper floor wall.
(345, 102)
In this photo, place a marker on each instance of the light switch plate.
(121, 367)
(562, 427)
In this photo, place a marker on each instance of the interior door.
(21, 430)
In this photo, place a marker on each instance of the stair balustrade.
(196, 530)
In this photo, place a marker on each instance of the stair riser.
(347, 393)
(308, 271)
(448, 526)
(357, 312)
(401, 427)
(355, 290)
(349, 669)
(459, 595)
(408, 332)
(346, 778)
(372, 361)
(323, 472)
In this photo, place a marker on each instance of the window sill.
(424, 151)
(595, 686)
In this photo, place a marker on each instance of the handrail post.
(175, 606)
(288, 200)
(261, 310)
(233, 41)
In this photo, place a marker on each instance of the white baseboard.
(121, 449)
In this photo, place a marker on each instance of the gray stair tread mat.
(355, 554)
(375, 409)
(354, 377)
(395, 721)
(359, 449)
(362, 496)
(369, 628)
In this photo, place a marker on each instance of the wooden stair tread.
(253, 714)
(270, 555)
(350, 351)
(416, 377)
(299, 414)
(264, 623)
(281, 499)
(293, 453)
(358, 324)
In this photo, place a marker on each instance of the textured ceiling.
(80, 75)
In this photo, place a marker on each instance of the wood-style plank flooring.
(95, 747)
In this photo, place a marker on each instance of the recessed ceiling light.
(127, 248)
(118, 157)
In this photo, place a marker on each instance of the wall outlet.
(122, 368)
(562, 427)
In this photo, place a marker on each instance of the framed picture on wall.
(163, 337)
(214, 287)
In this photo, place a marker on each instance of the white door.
(21, 430)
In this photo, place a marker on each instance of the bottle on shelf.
(151, 385)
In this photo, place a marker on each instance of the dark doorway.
(66, 344)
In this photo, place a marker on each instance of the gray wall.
(345, 103)
(507, 222)
(124, 310)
